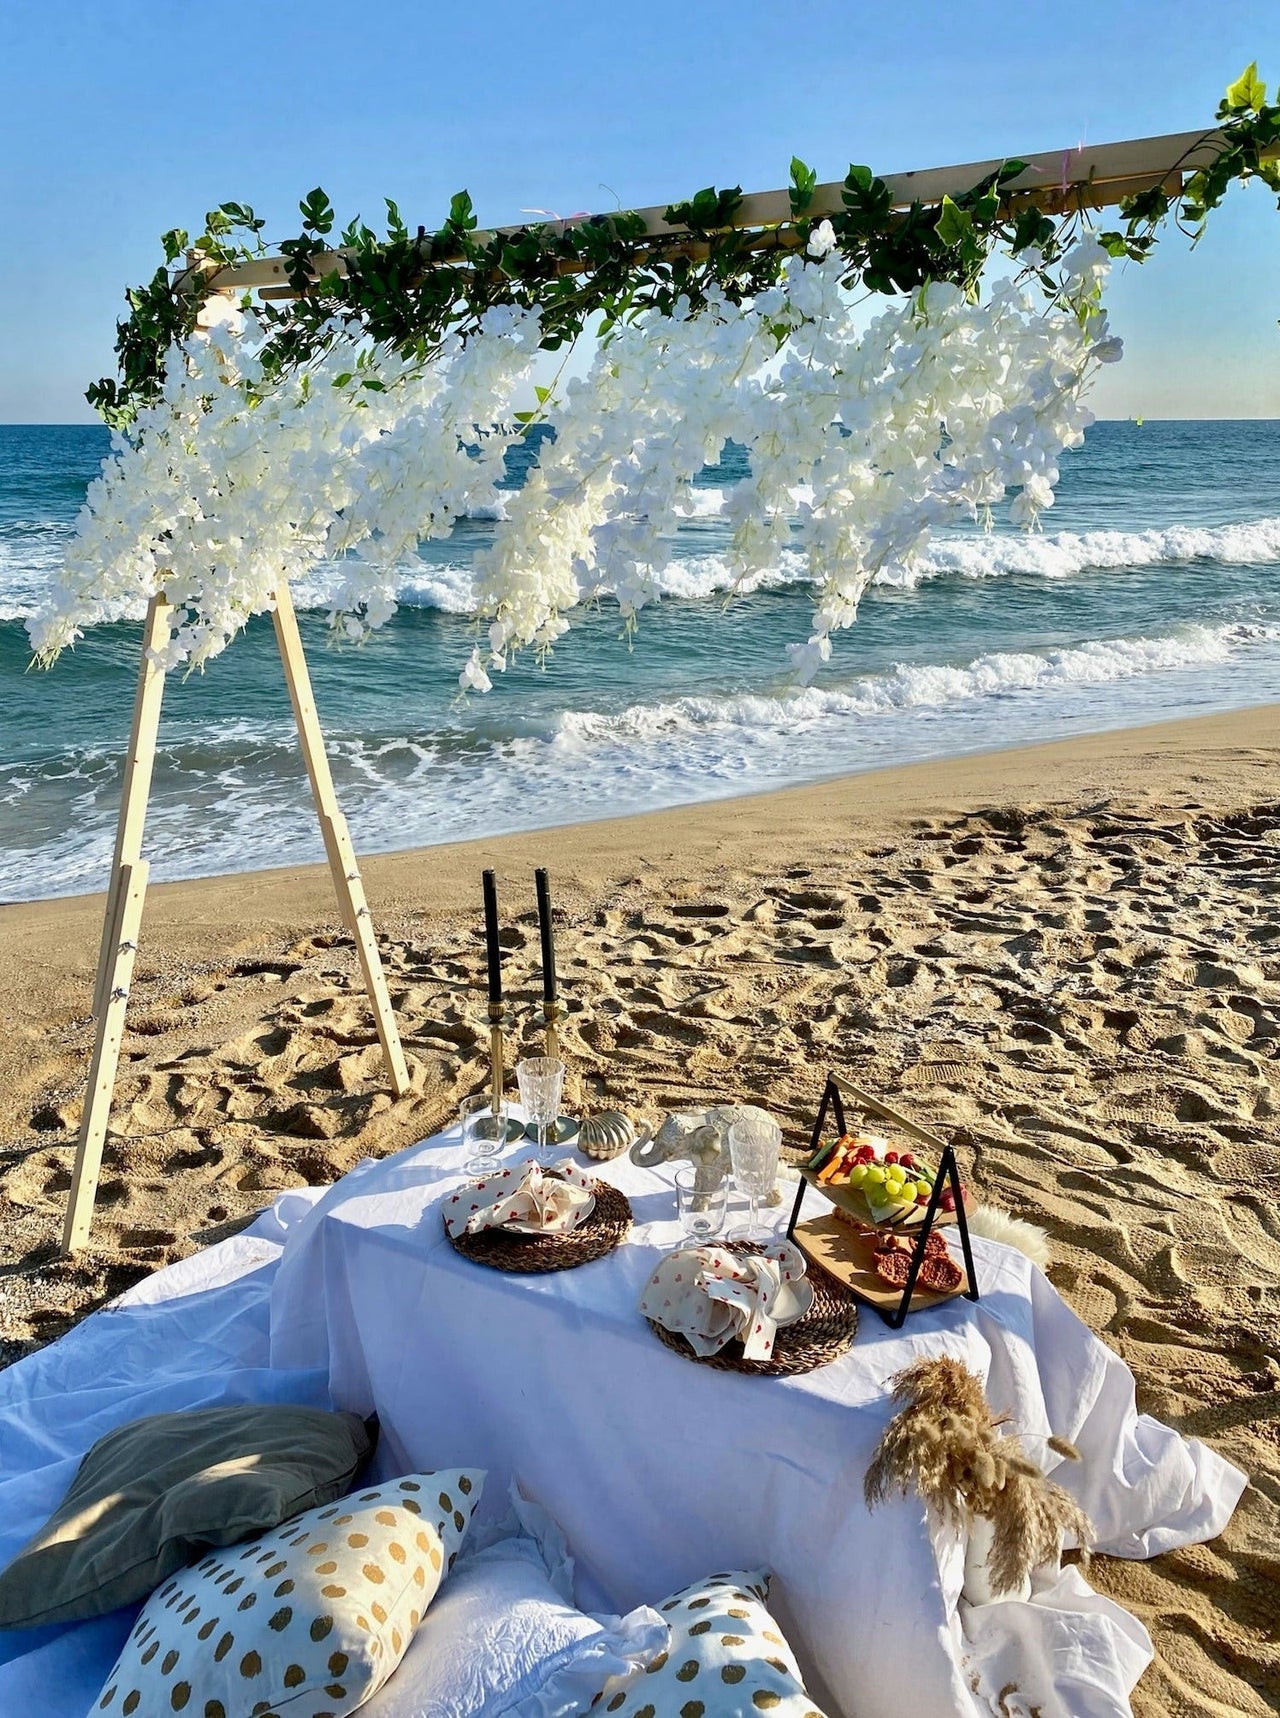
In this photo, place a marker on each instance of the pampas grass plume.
(946, 1444)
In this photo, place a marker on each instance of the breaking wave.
(936, 686)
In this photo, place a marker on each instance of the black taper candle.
(543, 885)
(491, 936)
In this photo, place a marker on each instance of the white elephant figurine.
(702, 1136)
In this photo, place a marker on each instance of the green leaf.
(317, 212)
(953, 222)
(867, 198)
(396, 228)
(241, 215)
(356, 236)
(1031, 227)
(175, 241)
(803, 181)
(707, 210)
(461, 217)
(1248, 93)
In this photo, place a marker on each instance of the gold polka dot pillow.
(310, 1619)
(726, 1658)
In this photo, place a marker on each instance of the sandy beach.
(1068, 951)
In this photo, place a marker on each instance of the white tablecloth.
(661, 1471)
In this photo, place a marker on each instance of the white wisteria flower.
(861, 440)
(940, 407)
(226, 488)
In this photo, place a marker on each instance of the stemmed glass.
(483, 1132)
(754, 1146)
(541, 1082)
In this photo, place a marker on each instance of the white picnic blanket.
(659, 1471)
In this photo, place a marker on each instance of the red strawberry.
(907, 1160)
(891, 1157)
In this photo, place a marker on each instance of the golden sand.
(1070, 950)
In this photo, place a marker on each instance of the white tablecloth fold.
(659, 1470)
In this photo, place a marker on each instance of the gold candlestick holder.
(498, 1021)
(551, 1012)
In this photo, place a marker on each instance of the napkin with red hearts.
(710, 1295)
(527, 1199)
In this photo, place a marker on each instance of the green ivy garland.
(411, 290)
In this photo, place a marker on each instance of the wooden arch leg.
(337, 838)
(119, 930)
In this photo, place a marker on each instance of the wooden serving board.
(830, 1242)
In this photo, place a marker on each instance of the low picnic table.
(660, 1470)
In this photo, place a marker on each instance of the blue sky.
(124, 117)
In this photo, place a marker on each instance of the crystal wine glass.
(754, 1145)
(541, 1081)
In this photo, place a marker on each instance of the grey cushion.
(152, 1494)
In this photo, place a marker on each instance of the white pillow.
(313, 1616)
(501, 1641)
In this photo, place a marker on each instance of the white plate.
(794, 1300)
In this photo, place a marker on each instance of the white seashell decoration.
(607, 1134)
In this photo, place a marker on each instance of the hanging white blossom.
(940, 407)
(227, 487)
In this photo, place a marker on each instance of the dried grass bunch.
(947, 1444)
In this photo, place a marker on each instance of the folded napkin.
(527, 1199)
(710, 1295)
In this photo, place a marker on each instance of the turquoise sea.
(1151, 593)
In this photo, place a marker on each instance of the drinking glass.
(753, 1151)
(541, 1081)
(483, 1132)
(702, 1210)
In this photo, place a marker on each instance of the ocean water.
(1151, 592)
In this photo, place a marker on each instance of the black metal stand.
(948, 1175)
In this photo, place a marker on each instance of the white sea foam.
(916, 686)
(973, 555)
(1060, 554)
